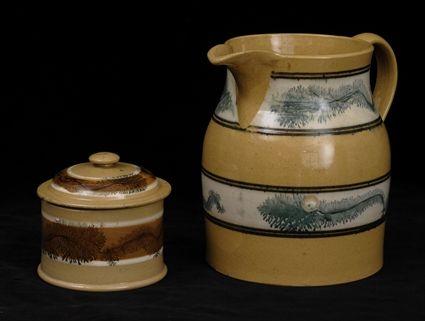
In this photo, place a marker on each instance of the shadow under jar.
(102, 226)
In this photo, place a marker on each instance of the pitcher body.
(296, 159)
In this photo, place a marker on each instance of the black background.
(136, 81)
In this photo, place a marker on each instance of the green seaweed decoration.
(225, 102)
(303, 213)
(302, 104)
(214, 199)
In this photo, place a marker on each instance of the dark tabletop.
(194, 291)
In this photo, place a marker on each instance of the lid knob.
(104, 159)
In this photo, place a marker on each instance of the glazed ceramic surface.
(102, 226)
(296, 160)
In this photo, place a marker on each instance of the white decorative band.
(134, 260)
(115, 194)
(303, 210)
(306, 104)
(68, 222)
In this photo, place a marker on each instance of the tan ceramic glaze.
(102, 226)
(334, 260)
(296, 159)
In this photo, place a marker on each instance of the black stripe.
(320, 75)
(293, 189)
(277, 233)
(313, 132)
(220, 119)
(325, 73)
(299, 132)
(225, 123)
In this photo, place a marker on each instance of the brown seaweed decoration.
(72, 244)
(148, 238)
(85, 244)
(123, 184)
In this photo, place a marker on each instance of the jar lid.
(104, 182)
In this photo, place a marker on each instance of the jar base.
(101, 287)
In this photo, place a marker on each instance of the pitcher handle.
(386, 80)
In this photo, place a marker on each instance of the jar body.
(102, 249)
(299, 196)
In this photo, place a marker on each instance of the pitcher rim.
(368, 48)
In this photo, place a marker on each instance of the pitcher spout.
(250, 71)
(221, 54)
(225, 54)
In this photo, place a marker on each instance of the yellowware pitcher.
(296, 159)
